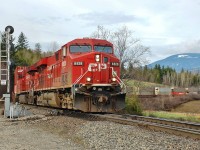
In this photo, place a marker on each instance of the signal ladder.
(3, 66)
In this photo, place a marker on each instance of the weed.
(133, 105)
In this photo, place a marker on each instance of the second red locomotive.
(82, 75)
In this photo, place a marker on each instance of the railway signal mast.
(5, 67)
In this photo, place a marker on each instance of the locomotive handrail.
(79, 78)
(122, 84)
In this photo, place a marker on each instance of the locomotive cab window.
(105, 49)
(105, 59)
(80, 48)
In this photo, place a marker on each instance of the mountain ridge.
(186, 61)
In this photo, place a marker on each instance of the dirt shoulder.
(46, 133)
(189, 107)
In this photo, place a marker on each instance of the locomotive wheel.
(10, 29)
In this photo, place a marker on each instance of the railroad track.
(182, 128)
(186, 129)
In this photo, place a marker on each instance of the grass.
(142, 83)
(173, 115)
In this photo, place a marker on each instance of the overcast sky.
(166, 26)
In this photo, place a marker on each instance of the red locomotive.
(82, 75)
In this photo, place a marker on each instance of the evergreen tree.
(163, 75)
(22, 42)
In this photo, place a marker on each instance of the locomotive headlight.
(97, 58)
(114, 79)
(88, 79)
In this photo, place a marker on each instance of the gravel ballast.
(69, 133)
(108, 135)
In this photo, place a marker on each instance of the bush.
(133, 105)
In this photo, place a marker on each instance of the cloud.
(168, 27)
(47, 20)
(108, 18)
(163, 51)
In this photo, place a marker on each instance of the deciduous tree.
(53, 46)
(38, 50)
(127, 47)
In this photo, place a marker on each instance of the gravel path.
(68, 133)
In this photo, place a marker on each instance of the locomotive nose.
(98, 68)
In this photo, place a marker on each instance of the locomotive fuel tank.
(49, 99)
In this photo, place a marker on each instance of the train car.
(83, 75)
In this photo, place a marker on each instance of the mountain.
(186, 61)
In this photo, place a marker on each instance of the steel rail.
(184, 124)
(179, 128)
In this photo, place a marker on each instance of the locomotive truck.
(83, 75)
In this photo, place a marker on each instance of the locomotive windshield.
(80, 48)
(105, 49)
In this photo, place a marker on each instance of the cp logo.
(92, 67)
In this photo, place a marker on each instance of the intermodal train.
(84, 74)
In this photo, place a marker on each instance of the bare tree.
(127, 48)
(53, 46)
(47, 54)
(38, 50)
(101, 33)
(38, 47)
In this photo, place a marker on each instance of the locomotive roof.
(90, 41)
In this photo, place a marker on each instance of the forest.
(163, 75)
